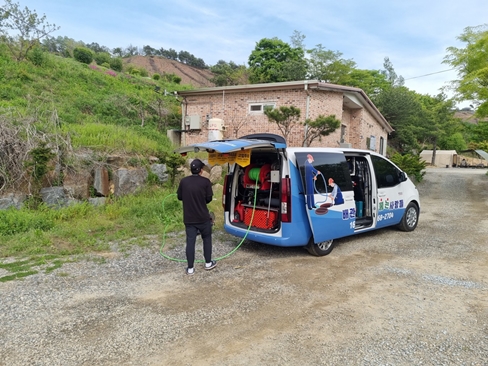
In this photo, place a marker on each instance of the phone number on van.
(386, 216)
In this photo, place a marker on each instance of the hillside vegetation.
(68, 105)
(55, 109)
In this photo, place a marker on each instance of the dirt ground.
(380, 298)
(416, 290)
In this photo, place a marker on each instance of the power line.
(432, 73)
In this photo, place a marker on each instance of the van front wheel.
(320, 249)
(410, 218)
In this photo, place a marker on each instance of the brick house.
(234, 111)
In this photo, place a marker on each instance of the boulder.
(100, 181)
(78, 185)
(54, 196)
(161, 171)
(215, 174)
(12, 200)
(127, 181)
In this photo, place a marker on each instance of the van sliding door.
(328, 194)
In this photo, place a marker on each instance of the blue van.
(308, 196)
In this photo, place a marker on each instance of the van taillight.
(224, 191)
(285, 200)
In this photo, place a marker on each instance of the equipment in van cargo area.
(308, 196)
(262, 219)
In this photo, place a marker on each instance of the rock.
(12, 200)
(101, 183)
(161, 171)
(215, 174)
(97, 201)
(78, 185)
(128, 181)
(54, 196)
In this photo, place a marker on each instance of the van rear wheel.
(410, 218)
(320, 249)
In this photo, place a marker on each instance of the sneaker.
(190, 271)
(211, 265)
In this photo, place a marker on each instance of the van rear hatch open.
(235, 145)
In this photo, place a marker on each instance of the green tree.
(83, 55)
(319, 127)
(403, 110)
(62, 46)
(22, 29)
(471, 63)
(297, 40)
(284, 117)
(437, 121)
(329, 65)
(102, 57)
(228, 73)
(271, 59)
(372, 82)
(453, 142)
(130, 50)
(118, 51)
(149, 51)
(390, 74)
(116, 64)
(411, 164)
(170, 54)
(96, 48)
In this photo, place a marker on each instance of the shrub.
(172, 78)
(102, 57)
(116, 64)
(173, 163)
(156, 76)
(411, 164)
(37, 56)
(83, 55)
(143, 72)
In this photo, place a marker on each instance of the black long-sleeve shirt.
(196, 192)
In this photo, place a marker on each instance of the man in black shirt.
(195, 192)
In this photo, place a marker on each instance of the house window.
(382, 146)
(258, 108)
(372, 143)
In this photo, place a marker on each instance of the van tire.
(410, 218)
(320, 249)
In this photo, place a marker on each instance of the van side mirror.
(403, 176)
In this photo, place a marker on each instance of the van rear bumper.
(286, 237)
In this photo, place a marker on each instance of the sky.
(413, 34)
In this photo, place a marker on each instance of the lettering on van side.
(387, 205)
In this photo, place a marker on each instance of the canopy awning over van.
(229, 146)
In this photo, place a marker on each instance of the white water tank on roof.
(215, 129)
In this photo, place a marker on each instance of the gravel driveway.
(381, 298)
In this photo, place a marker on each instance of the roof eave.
(307, 84)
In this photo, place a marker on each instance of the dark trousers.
(192, 230)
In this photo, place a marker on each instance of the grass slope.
(96, 108)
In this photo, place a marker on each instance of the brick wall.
(233, 109)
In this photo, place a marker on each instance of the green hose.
(254, 174)
(219, 258)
